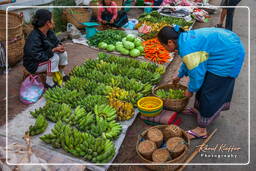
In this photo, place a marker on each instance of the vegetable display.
(171, 93)
(87, 108)
(156, 22)
(155, 52)
(80, 144)
(129, 45)
(109, 37)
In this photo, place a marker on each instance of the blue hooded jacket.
(215, 50)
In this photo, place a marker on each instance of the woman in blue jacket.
(212, 59)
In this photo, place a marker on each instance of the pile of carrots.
(155, 52)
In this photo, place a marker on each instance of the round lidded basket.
(179, 159)
(15, 25)
(177, 105)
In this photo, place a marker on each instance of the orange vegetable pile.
(155, 52)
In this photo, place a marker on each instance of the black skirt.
(213, 97)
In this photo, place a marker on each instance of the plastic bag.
(82, 2)
(31, 89)
(73, 32)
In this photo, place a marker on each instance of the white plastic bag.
(73, 32)
(82, 2)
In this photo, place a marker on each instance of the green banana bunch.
(80, 144)
(47, 110)
(113, 131)
(101, 89)
(99, 127)
(62, 95)
(107, 154)
(89, 102)
(40, 125)
(54, 137)
(84, 121)
(105, 111)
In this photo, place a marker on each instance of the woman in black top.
(43, 51)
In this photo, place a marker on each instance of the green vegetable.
(130, 37)
(140, 48)
(119, 43)
(119, 47)
(135, 53)
(171, 93)
(110, 48)
(108, 36)
(137, 42)
(124, 51)
(102, 45)
(128, 45)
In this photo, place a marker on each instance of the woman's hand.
(176, 80)
(59, 49)
(188, 94)
(103, 21)
(112, 21)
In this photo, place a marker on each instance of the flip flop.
(196, 135)
(188, 111)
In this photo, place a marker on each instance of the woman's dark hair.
(168, 33)
(41, 17)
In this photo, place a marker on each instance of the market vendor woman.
(43, 52)
(212, 59)
(110, 15)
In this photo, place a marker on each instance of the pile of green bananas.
(40, 125)
(106, 112)
(88, 102)
(80, 144)
(54, 112)
(108, 130)
(129, 62)
(62, 95)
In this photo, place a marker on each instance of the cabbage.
(124, 40)
(110, 48)
(137, 42)
(119, 43)
(135, 53)
(140, 48)
(128, 45)
(102, 45)
(124, 51)
(118, 47)
(130, 38)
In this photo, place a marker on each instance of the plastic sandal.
(190, 132)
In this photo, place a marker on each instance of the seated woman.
(43, 52)
(111, 16)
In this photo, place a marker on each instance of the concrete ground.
(232, 125)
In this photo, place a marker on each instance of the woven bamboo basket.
(15, 50)
(76, 16)
(94, 10)
(179, 159)
(173, 104)
(15, 23)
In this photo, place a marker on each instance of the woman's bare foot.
(197, 133)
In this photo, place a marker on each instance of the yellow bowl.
(150, 106)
